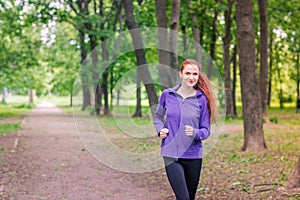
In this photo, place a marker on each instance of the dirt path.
(46, 160)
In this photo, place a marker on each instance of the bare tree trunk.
(263, 15)
(173, 42)
(280, 87)
(83, 53)
(253, 129)
(84, 73)
(4, 95)
(298, 74)
(30, 96)
(213, 42)
(138, 107)
(183, 30)
(140, 54)
(234, 56)
(226, 45)
(196, 33)
(95, 75)
(270, 68)
(94, 55)
(104, 84)
(197, 40)
(163, 54)
(119, 17)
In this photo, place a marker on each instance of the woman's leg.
(192, 170)
(175, 173)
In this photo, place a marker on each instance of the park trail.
(46, 160)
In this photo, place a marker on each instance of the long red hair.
(205, 86)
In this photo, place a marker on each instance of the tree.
(80, 25)
(142, 67)
(263, 48)
(163, 54)
(226, 44)
(173, 42)
(253, 129)
(19, 51)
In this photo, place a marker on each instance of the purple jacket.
(174, 112)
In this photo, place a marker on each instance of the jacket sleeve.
(203, 131)
(160, 113)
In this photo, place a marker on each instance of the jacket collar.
(175, 88)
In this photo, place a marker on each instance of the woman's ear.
(180, 74)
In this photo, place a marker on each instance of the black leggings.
(183, 175)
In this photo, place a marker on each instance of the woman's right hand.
(163, 133)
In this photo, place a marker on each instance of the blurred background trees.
(44, 45)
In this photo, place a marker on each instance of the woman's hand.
(163, 133)
(189, 130)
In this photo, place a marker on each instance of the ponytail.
(205, 86)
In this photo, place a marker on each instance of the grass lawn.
(11, 115)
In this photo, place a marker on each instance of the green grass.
(6, 129)
(14, 110)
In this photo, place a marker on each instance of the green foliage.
(6, 129)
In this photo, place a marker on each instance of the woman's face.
(189, 75)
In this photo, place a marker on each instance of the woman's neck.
(185, 91)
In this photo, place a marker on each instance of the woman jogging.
(182, 120)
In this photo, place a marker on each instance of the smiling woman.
(189, 109)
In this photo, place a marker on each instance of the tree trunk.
(213, 42)
(197, 40)
(140, 54)
(83, 53)
(263, 15)
(104, 85)
(71, 98)
(270, 68)
(95, 75)
(183, 30)
(84, 73)
(298, 74)
(253, 128)
(226, 45)
(30, 96)
(173, 42)
(234, 56)
(163, 54)
(138, 107)
(117, 47)
(196, 33)
(280, 95)
(94, 58)
(4, 95)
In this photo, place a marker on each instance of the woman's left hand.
(189, 130)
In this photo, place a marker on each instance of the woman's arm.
(159, 114)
